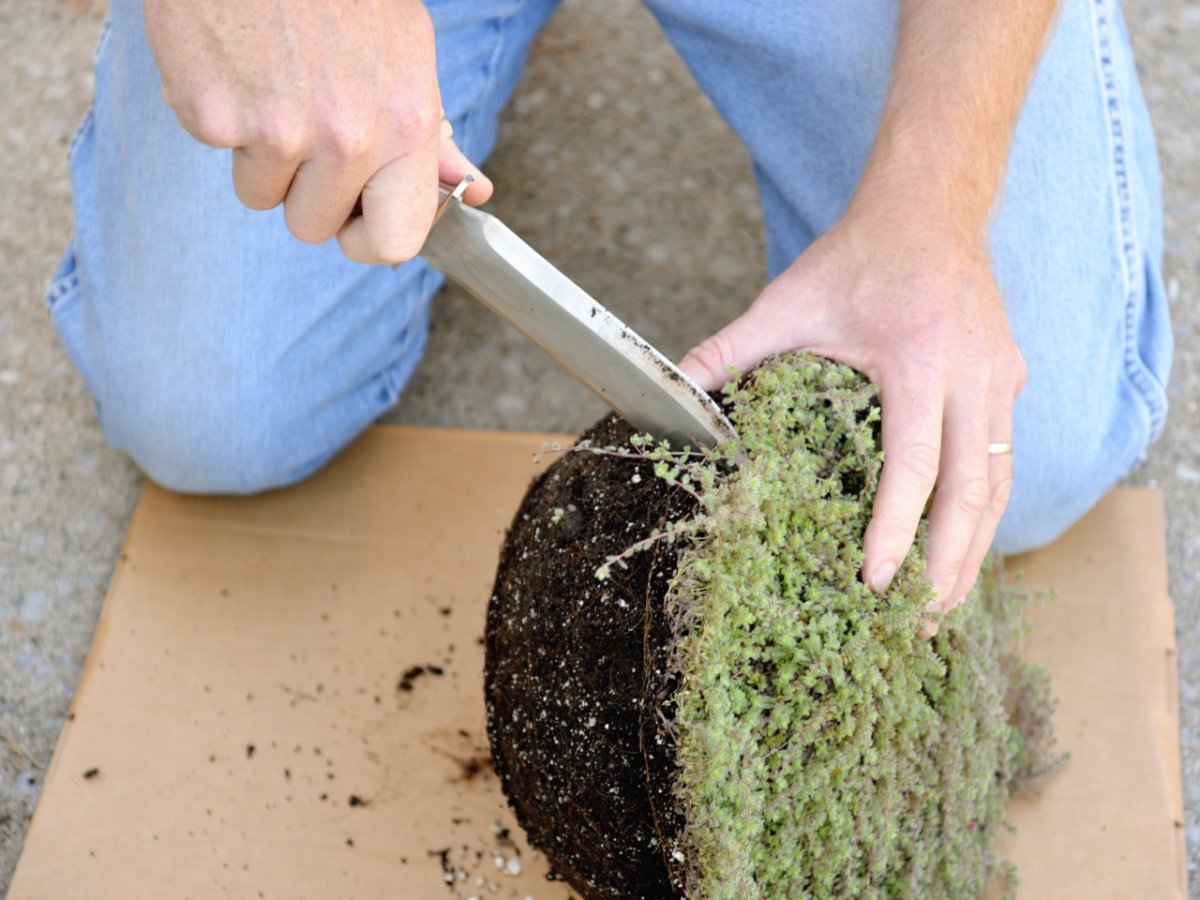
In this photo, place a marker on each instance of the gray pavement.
(594, 173)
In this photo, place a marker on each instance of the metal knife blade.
(499, 269)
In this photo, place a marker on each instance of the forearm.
(960, 75)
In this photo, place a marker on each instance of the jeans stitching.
(88, 116)
(66, 284)
(61, 288)
(489, 69)
(83, 125)
(102, 41)
(1131, 259)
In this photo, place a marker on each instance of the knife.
(482, 254)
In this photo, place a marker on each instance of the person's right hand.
(323, 104)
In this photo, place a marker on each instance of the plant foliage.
(825, 748)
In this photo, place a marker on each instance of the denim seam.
(87, 116)
(1131, 260)
(102, 41)
(489, 69)
(79, 130)
(61, 288)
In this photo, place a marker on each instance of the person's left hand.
(912, 304)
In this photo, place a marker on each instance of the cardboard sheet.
(252, 721)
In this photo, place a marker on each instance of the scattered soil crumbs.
(475, 766)
(474, 872)
(410, 676)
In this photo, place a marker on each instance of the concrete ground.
(594, 173)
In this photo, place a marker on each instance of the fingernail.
(882, 577)
(943, 602)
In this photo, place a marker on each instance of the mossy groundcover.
(691, 693)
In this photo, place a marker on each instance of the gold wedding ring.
(996, 448)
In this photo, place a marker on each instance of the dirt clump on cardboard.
(691, 692)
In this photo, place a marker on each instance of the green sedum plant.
(825, 747)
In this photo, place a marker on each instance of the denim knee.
(1064, 466)
(1032, 520)
(192, 437)
(231, 413)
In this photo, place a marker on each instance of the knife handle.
(448, 192)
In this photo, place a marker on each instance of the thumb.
(737, 348)
(453, 167)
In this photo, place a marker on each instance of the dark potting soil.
(573, 673)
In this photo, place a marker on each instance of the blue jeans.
(226, 356)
